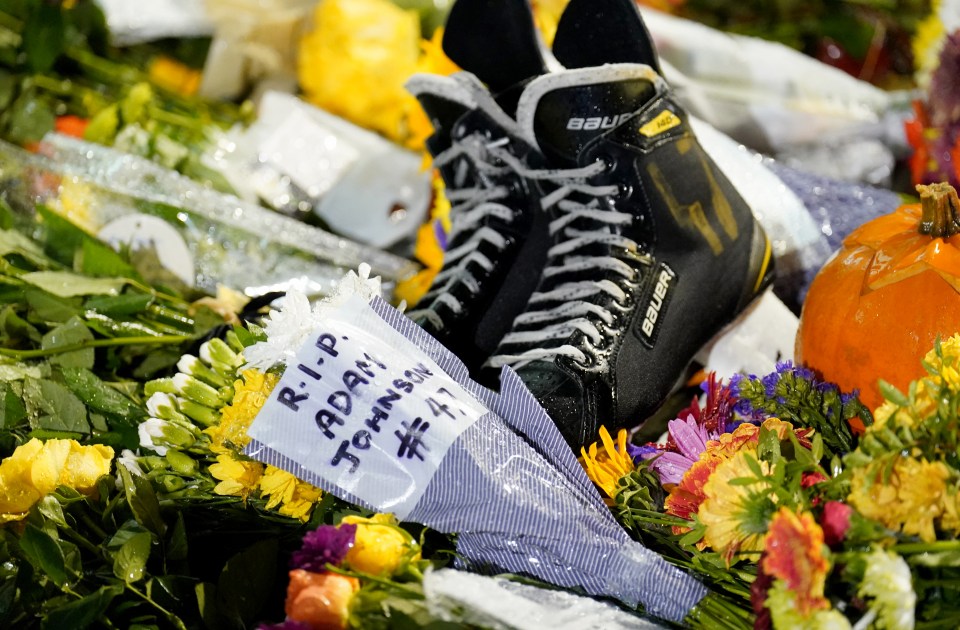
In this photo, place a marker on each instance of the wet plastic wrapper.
(138, 22)
(379, 413)
(763, 93)
(202, 236)
(500, 603)
(303, 160)
(805, 216)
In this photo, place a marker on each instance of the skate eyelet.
(624, 191)
(609, 162)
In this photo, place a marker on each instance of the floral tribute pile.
(787, 497)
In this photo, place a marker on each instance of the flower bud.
(164, 406)
(193, 389)
(321, 600)
(160, 435)
(217, 354)
(181, 462)
(164, 385)
(189, 364)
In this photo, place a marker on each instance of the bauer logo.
(597, 122)
(656, 305)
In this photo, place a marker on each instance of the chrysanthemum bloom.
(380, 546)
(605, 468)
(784, 612)
(736, 517)
(910, 499)
(238, 477)
(687, 496)
(887, 580)
(793, 552)
(36, 468)
(293, 497)
(328, 544)
(321, 600)
(250, 394)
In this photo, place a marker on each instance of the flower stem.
(95, 343)
(172, 618)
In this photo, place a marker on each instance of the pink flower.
(691, 440)
(835, 522)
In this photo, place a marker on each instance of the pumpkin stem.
(941, 210)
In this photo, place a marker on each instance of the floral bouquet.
(788, 499)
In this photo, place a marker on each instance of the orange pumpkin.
(877, 307)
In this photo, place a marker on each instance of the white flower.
(290, 327)
(150, 429)
(129, 460)
(888, 582)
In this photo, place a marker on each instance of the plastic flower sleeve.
(452, 455)
(203, 236)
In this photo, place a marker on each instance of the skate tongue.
(444, 100)
(562, 112)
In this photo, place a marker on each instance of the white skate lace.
(470, 208)
(568, 308)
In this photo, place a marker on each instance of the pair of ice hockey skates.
(595, 245)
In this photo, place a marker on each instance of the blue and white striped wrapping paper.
(520, 502)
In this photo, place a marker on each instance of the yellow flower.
(432, 61)
(546, 15)
(926, 44)
(355, 60)
(606, 468)
(910, 499)
(736, 517)
(427, 249)
(237, 477)
(380, 546)
(294, 498)
(250, 394)
(36, 468)
(172, 75)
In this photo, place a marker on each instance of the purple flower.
(325, 545)
(639, 453)
(691, 440)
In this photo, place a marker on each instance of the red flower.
(794, 554)
(835, 522)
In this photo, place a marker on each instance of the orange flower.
(321, 600)
(794, 554)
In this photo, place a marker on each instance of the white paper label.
(366, 410)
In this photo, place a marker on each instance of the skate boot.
(653, 252)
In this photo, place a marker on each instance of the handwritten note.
(366, 410)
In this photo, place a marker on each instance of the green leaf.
(143, 502)
(67, 284)
(51, 509)
(100, 396)
(177, 544)
(246, 582)
(44, 553)
(53, 407)
(8, 88)
(103, 126)
(100, 260)
(892, 394)
(130, 561)
(71, 333)
(83, 612)
(31, 118)
(13, 242)
(12, 411)
(43, 36)
(50, 308)
(119, 305)
(15, 328)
